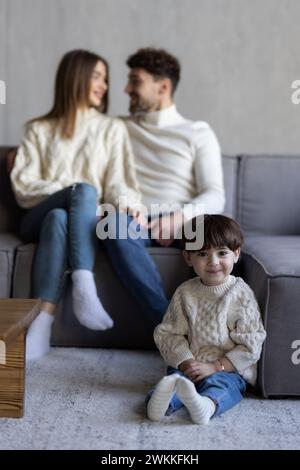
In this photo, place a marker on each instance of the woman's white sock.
(38, 336)
(86, 304)
(160, 399)
(201, 408)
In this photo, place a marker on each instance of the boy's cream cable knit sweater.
(99, 154)
(205, 323)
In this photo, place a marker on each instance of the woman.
(70, 160)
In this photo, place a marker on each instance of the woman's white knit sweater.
(207, 322)
(99, 153)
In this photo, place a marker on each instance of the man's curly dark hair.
(158, 63)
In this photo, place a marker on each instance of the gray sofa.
(262, 194)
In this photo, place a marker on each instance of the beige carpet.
(93, 399)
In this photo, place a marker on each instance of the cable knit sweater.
(207, 322)
(99, 153)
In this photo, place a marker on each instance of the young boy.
(212, 333)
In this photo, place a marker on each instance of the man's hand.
(139, 218)
(164, 229)
(197, 371)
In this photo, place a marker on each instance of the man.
(177, 162)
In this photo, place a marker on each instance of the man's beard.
(137, 106)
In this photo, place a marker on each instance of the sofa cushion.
(272, 269)
(8, 245)
(132, 329)
(268, 194)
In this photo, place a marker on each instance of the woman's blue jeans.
(225, 389)
(64, 226)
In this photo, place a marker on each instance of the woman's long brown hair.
(72, 89)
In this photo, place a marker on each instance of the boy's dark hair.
(218, 230)
(157, 62)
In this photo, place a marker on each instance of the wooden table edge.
(14, 331)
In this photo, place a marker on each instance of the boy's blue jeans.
(225, 389)
(64, 224)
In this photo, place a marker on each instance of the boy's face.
(212, 265)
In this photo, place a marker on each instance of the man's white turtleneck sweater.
(177, 161)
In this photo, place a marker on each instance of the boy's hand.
(185, 365)
(197, 371)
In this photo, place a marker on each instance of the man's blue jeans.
(64, 226)
(136, 268)
(225, 389)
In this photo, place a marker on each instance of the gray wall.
(239, 59)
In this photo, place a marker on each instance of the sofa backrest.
(10, 214)
(268, 194)
(262, 193)
(230, 169)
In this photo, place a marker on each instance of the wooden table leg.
(12, 376)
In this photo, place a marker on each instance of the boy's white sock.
(38, 336)
(86, 304)
(200, 408)
(160, 399)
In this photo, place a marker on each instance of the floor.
(93, 399)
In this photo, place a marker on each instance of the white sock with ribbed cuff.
(38, 336)
(200, 408)
(160, 399)
(86, 304)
